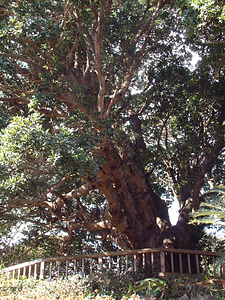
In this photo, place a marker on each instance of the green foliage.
(212, 210)
(111, 284)
(148, 286)
(107, 283)
(52, 128)
(28, 146)
(171, 287)
(34, 289)
(34, 159)
(211, 243)
(203, 13)
(193, 286)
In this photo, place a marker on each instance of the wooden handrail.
(161, 260)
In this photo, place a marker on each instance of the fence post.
(152, 260)
(126, 267)
(29, 272)
(135, 262)
(143, 260)
(100, 263)
(91, 266)
(172, 262)
(35, 271)
(197, 264)
(83, 271)
(59, 269)
(74, 267)
(162, 261)
(18, 273)
(110, 262)
(67, 263)
(118, 265)
(189, 263)
(24, 271)
(42, 270)
(180, 261)
(50, 271)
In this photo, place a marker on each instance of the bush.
(109, 286)
(43, 289)
(193, 286)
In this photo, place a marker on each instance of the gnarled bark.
(134, 209)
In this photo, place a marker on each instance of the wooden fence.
(157, 261)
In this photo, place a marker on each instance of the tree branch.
(98, 47)
(50, 191)
(15, 99)
(79, 192)
(145, 31)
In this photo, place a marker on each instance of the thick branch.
(14, 99)
(91, 226)
(60, 201)
(98, 46)
(76, 193)
(57, 205)
(71, 101)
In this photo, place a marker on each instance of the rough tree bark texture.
(134, 208)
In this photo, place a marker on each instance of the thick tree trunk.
(134, 208)
(184, 235)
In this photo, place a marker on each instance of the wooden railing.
(160, 261)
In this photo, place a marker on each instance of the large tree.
(104, 119)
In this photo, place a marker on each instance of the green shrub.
(43, 289)
(193, 286)
(109, 286)
(147, 287)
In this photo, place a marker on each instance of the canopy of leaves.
(77, 74)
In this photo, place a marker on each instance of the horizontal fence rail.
(159, 261)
